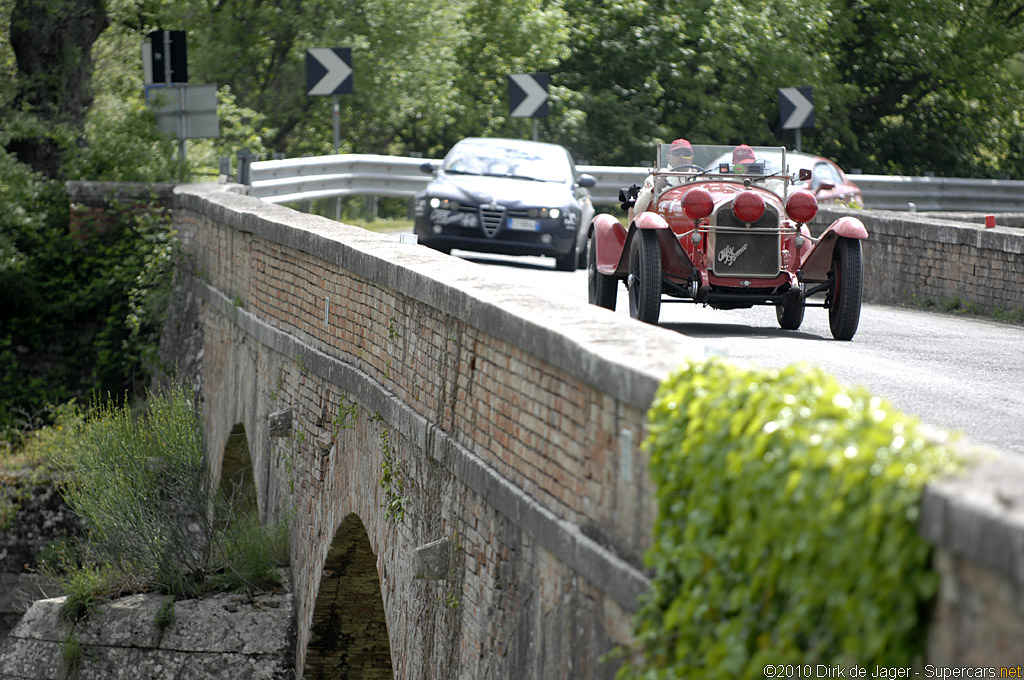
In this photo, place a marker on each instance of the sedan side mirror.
(586, 181)
(428, 167)
(825, 186)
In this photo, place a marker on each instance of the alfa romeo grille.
(491, 218)
(752, 251)
(769, 220)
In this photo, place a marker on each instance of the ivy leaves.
(787, 525)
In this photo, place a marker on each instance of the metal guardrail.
(296, 180)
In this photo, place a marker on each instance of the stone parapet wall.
(91, 203)
(520, 435)
(936, 258)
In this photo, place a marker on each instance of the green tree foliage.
(899, 87)
(926, 86)
(76, 316)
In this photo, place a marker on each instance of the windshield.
(508, 158)
(720, 159)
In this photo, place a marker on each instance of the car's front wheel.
(601, 289)
(644, 281)
(845, 289)
(791, 311)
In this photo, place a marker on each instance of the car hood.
(507, 191)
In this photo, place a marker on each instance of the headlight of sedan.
(445, 203)
(544, 213)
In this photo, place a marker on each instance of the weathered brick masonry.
(513, 422)
(505, 428)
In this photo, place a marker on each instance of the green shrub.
(71, 655)
(149, 508)
(251, 555)
(165, 614)
(77, 318)
(786, 527)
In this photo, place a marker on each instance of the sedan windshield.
(525, 160)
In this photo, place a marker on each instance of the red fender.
(650, 220)
(850, 227)
(609, 240)
(817, 261)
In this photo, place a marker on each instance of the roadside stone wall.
(435, 403)
(938, 258)
(92, 203)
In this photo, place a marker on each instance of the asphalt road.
(959, 374)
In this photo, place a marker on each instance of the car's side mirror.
(428, 167)
(586, 181)
(825, 186)
(805, 174)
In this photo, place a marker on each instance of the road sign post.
(796, 109)
(329, 72)
(528, 96)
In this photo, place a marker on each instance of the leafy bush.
(77, 318)
(786, 529)
(151, 513)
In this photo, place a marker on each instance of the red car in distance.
(828, 182)
(728, 237)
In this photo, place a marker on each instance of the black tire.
(567, 262)
(645, 277)
(791, 312)
(845, 290)
(601, 289)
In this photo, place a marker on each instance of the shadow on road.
(721, 330)
(533, 263)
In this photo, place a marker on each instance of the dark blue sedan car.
(506, 196)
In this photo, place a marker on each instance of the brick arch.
(236, 476)
(349, 633)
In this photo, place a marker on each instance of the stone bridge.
(459, 457)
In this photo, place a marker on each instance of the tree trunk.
(52, 42)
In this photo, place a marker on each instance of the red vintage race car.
(727, 235)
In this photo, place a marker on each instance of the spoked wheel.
(601, 289)
(645, 277)
(791, 312)
(845, 289)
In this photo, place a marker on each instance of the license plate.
(519, 224)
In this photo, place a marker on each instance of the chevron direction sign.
(528, 95)
(796, 107)
(328, 71)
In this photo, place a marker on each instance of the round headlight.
(802, 206)
(698, 203)
(555, 212)
(748, 207)
(435, 202)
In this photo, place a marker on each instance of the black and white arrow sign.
(796, 107)
(328, 70)
(528, 95)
